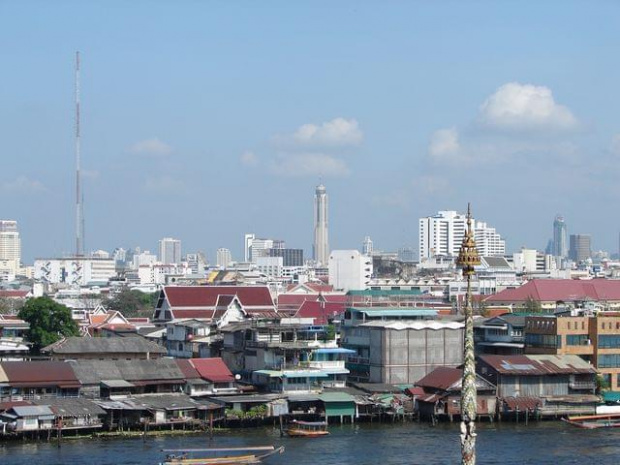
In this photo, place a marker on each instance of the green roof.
(385, 292)
(611, 396)
(394, 311)
(336, 397)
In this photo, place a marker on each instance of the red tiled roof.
(415, 391)
(206, 314)
(16, 403)
(188, 370)
(207, 296)
(441, 378)
(224, 300)
(565, 290)
(321, 313)
(15, 294)
(39, 373)
(213, 369)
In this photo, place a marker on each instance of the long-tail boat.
(243, 456)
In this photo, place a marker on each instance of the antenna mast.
(79, 213)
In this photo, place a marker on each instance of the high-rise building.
(580, 247)
(442, 235)
(170, 251)
(290, 257)
(223, 257)
(321, 241)
(247, 247)
(367, 246)
(560, 245)
(10, 244)
(349, 270)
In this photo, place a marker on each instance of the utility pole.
(468, 258)
(79, 196)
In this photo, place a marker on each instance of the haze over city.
(204, 121)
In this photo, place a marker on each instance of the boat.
(240, 456)
(594, 421)
(307, 429)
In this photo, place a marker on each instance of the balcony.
(326, 365)
(582, 385)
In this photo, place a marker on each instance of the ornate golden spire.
(468, 255)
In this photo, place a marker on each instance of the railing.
(582, 385)
(326, 364)
(360, 360)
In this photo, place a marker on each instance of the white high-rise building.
(367, 246)
(247, 246)
(170, 251)
(321, 239)
(349, 270)
(442, 235)
(488, 242)
(223, 257)
(256, 247)
(10, 244)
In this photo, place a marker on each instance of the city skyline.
(387, 106)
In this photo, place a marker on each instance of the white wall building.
(74, 270)
(223, 257)
(143, 258)
(349, 270)
(170, 250)
(10, 245)
(442, 235)
(270, 266)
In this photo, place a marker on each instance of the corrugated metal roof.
(94, 371)
(336, 397)
(72, 407)
(538, 364)
(33, 411)
(213, 369)
(416, 325)
(105, 345)
(39, 373)
(395, 311)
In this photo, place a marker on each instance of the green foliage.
(532, 306)
(330, 333)
(49, 322)
(10, 306)
(133, 303)
(602, 383)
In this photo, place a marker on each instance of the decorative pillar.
(468, 258)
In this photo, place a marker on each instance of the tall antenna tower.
(79, 197)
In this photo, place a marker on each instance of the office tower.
(10, 243)
(367, 246)
(560, 246)
(247, 247)
(580, 247)
(442, 235)
(290, 257)
(321, 241)
(170, 251)
(223, 257)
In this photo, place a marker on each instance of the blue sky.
(206, 120)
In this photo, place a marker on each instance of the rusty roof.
(536, 365)
(40, 373)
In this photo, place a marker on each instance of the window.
(609, 361)
(577, 339)
(543, 340)
(609, 341)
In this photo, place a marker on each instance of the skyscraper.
(320, 250)
(10, 243)
(367, 246)
(170, 251)
(560, 246)
(580, 247)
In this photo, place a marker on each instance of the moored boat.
(594, 421)
(250, 455)
(307, 429)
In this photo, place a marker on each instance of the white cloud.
(615, 145)
(444, 144)
(338, 132)
(24, 185)
(151, 147)
(249, 158)
(525, 107)
(165, 184)
(309, 164)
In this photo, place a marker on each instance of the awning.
(305, 374)
(116, 383)
(334, 350)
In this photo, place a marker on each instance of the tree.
(532, 306)
(49, 322)
(10, 306)
(133, 303)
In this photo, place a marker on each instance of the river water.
(363, 444)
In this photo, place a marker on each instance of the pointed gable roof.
(207, 296)
(213, 369)
(564, 290)
(321, 312)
